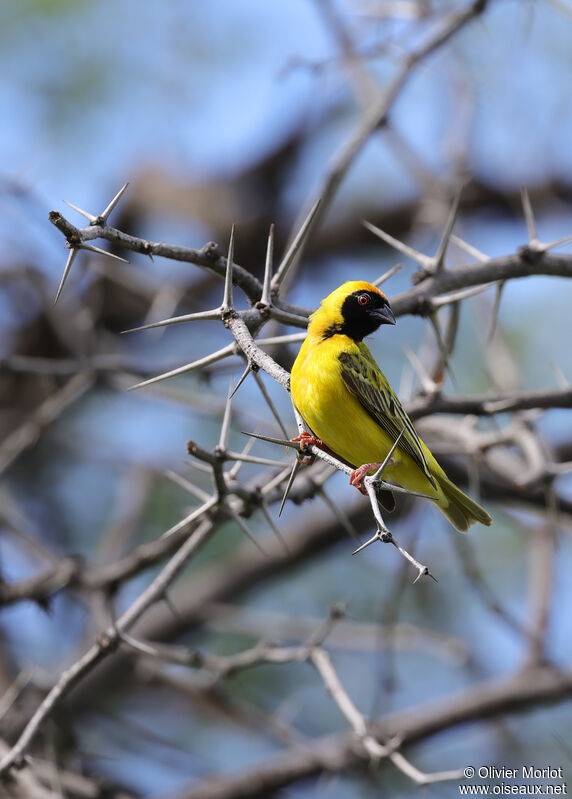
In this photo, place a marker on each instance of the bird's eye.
(363, 299)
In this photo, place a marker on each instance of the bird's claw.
(357, 476)
(306, 440)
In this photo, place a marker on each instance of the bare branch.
(106, 643)
(46, 413)
(337, 754)
(490, 405)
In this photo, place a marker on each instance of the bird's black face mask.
(363, 312)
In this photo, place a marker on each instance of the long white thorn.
(340, 515)
(288, 338)
(387, 458)
(423, 260)
(241, 379)
(528, 216)
(200, 467)
(268, 399)
(283, 442)
(177, 320)
(225, 427)
(227, 297)
(559, 375)
(288, 318)
(274, 527)
(237, 465)
(71, 258)
(558, 242)
(225, 352)
(266, 297)
(190, 518)
(104, 214)
(377, 536)
(101, 251)
(461, 294)
(245, 530)
(478, 255)
(293, 474)
(242, 458)
(397, 489)
(443, 351)
(80, 211)
(428, 385)
(288, 259)
(445, 239)
(387, 275)
(495, 310)
(186, 485)
(275, 481)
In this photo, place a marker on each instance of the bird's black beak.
(385, 315)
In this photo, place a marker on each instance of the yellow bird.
(350, 408)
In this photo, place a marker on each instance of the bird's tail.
(460, 509)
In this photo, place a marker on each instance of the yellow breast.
(329, 409)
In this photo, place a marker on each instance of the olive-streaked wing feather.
(364, 381)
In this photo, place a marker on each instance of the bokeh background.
(219, 113)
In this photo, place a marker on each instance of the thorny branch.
(436, 287)
(312, 652)
(510, 463)
(244, 327)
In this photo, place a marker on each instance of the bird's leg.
(306, 440)
(356, 477)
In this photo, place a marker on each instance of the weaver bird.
(351, 409)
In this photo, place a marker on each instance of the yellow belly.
(335, 416)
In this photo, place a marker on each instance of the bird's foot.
(357, 476)
(306, 440)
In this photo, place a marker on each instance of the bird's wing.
(365, 381)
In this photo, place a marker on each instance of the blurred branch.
(340, 753)
(419, 300)
(256, 357)
(377, 111)
(490, 404)
(106, 643)
(312, 652)
(42, 416)
(304, 542)
(41, 782)
(208, 257)
(508, 461)
(542, 555)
